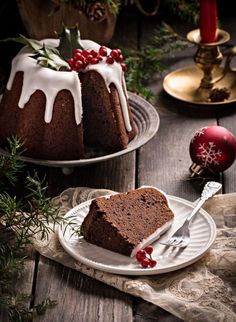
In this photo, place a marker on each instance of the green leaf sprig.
(69, 41)
(46, 56)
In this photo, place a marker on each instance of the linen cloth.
(204, 291)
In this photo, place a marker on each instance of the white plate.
(202, 233)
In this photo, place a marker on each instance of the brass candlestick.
(208, 82)
(208, 57)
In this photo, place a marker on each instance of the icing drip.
(47, 80)
(112, 74)
(50, 82)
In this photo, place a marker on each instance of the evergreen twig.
(17, 228)
(144, 64)
(10, 166)
(186, 10)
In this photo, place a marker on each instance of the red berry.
(145, 263)
(119, 59)
(141, 254)
(94, 53)
(114, 53)
(152, 262)
(84, 60)
(78, 56)
(110, 60)
(89, 58)
(78, 65)
(77, 51)
(94, 61)
(85, 53)
(99, 58)
(124, 67)
(119, 51)
(103, 51)
(149, 249)
(70, 61)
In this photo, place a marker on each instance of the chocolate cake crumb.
(122, 221)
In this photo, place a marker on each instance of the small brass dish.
(199, 83)
(183, 84)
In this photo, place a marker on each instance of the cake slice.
(127, 222)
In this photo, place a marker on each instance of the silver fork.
(181, 237)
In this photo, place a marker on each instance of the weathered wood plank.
(164, 162)
(116, 174)
(229, 120)
(229, 176)
(79, 297)
(23, 284)
(147, 312)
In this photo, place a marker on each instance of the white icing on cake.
(112, 74)
(51, 82)
(47, 80)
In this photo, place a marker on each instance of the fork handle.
(209, 190)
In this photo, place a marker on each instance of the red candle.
(208, 21)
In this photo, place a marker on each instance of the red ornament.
(212, 148)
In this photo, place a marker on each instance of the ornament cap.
(196, 170)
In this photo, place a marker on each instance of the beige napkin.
(204, 291)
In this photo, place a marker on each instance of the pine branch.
(17, 228)
(41, 209)
(17, 310)
(187, 10)
(10, 166)
(41, 308)
(144, 64)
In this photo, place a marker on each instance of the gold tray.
(183, 84)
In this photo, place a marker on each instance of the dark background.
(11, 24)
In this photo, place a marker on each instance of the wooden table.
(163, 162)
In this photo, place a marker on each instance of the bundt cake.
(62, 114)
(127, 222)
